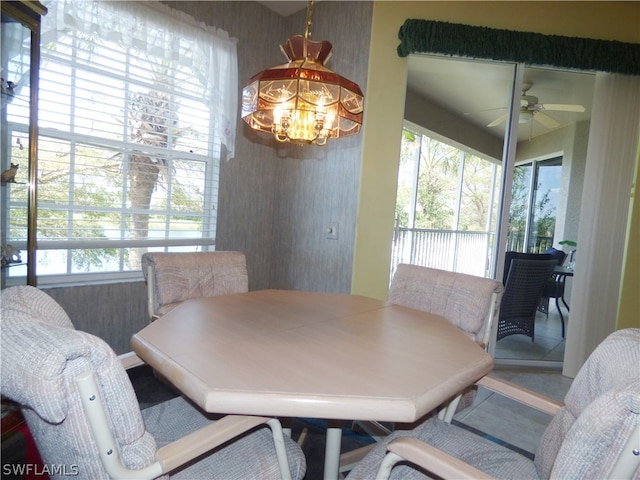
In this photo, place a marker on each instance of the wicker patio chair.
(526, 277)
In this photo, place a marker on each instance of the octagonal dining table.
(302, 354)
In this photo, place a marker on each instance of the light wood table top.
(303, 354)
(289, 353)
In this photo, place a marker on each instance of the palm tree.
(153, 122)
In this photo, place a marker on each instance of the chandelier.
(302, 101)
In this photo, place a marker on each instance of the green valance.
(428, 36)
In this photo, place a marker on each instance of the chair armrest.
(187, 448)
(178, 452)
(181, 451)
(428, 457)
(149, 277)
(521, 394)
(350, 459)
(444, 465)
(130, 360)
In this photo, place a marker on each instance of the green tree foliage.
(519, 200)
(53, 189)
(545, 216)
(544, 211)
(433, 208)
(475, 207)
(437, 186)
(410, 148)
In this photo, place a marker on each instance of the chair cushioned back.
(40, 362)
(601, 407)
(180, 276)
(34, 303)
(464, 300)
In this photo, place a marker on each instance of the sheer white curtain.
(611, 156)
(164, 33)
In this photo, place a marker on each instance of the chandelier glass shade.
(303, 101)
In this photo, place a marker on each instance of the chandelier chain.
(307, 32)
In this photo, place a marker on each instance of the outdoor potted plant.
(572, 252)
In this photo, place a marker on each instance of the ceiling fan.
(530, 110)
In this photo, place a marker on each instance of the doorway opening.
(540, 149)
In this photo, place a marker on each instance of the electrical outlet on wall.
(331, 232)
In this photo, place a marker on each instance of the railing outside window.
(454, 250)
(538, 244)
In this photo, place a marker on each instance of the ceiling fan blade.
(485, 110)
(561, 107)
(545, 120)
(498, 120)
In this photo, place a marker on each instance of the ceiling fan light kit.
(525, 116)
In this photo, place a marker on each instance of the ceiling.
(478, 92)
(285, 8)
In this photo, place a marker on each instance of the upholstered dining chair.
(173, 278)
(526, 275)
(84, 417)
(469, 302)
(594, 434)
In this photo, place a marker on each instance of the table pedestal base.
(332, 451)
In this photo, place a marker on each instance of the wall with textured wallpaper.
(276, 200)
(113, 312)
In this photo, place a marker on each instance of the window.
(136, 110)
(534, 205)
(446, 205)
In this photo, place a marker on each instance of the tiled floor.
(511, 421)
(506, 419)
(547, 347)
